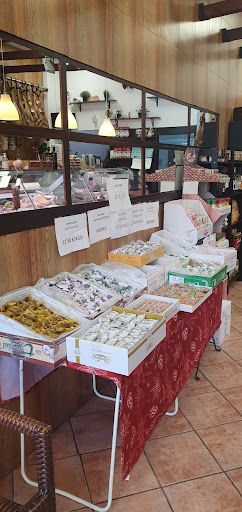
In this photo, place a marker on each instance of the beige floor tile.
(207, 410)
(211, 356)
(180, 457)
(225, 442)
(236, 476)
(210, 494)
(195, 387)
(95, 405)
(233, 348)
(234, 396)
(94, 431)
(96, 467)
(69, 477)
(149, 501)
(224, 375)
(63, 444)
(237, 325)
(170, 425)
(234, 335)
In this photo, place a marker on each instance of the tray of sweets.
(108, 280)
(118, 340)
(87, 298)
(137, 253)
(189, 295)
(160, 305)
(35, 326)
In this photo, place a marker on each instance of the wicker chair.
(44, 499)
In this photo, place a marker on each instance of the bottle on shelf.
(5, 162)
(54, 158)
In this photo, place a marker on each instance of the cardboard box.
(226, 257)
(111, 358)
(177, 221)
(173, 305)
(155, 277)
(191, 309)
(137, 261)
(17, 340)
(178, 278)
(224, 329)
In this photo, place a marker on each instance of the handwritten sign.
(152, 215)
(138, 222)
(99, 224)
(71, 233)
(118, 194)
(121, 223)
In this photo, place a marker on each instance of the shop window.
(31, 176)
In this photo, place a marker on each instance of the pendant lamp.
(106, 128)
(72, 124)
(8, 111)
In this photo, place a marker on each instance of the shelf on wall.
(230, 162)
(80, 103)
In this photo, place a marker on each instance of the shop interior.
(120, 233)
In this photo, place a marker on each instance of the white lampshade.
(107, 128)
(8, 111)
(72, 124)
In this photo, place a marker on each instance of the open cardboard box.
(173, 305)
(111, 358)
(17, 340)
(135, 260)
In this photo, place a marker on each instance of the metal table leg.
(113, 452)
(175, 410)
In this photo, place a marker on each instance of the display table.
(150, 390)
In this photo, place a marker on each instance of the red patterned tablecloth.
(150, 390)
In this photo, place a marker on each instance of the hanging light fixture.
(106, 128)
(72, 124)
(8, 111)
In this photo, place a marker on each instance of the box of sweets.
(155, 304)
(118, 341)
(137, 253)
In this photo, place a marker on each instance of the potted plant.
(106, 94)
(119, 114)
(85, 95)
(139, 111)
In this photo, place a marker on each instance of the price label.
(99, 224)
(138, 217)
(121, 223)
(71, 233)
(118, 194)
(152, 215)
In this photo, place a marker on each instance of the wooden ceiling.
(224, 8)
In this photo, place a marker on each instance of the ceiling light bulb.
(72, 124)
(8, 111)
(107, 129)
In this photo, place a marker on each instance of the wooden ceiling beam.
(231, 35)
(206, 12)
(21, 55)
(33, 68)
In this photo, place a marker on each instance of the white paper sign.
(71, 233)
(120, 223)
(118, 194)
(4, 181)
(99, 224)
(136, 163)
(138, 222)
(152, 215)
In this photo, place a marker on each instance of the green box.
(212, 282)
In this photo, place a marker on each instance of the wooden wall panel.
(160, 44)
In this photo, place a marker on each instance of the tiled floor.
(193, 461)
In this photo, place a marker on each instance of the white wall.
(128, 100)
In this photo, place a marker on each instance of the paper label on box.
(176, 279)
(155, 281)
(71, 233)
(99, 224)
(120, 223)
(118, 194)
(138, 222)
(152, 215)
